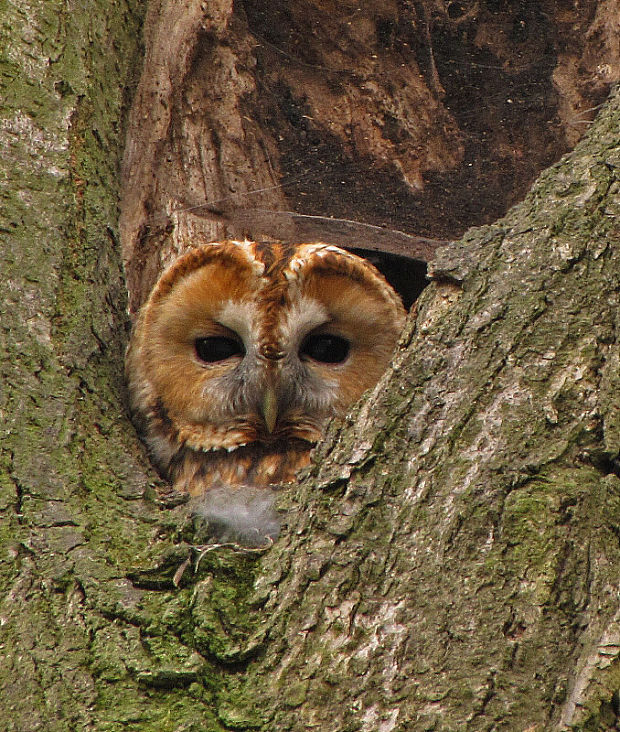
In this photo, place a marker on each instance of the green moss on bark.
(476, 583)
(426, 569)
(77, 648)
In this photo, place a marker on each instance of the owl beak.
(269, 408)
(271, 354)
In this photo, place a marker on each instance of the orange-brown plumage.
(245, 350)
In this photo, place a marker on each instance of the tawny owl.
(241, 354)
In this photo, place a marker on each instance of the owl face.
(243, 351)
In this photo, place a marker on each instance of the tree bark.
(455, 561)
(450, 561)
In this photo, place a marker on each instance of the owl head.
(245, 350)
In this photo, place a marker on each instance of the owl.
(240, 356)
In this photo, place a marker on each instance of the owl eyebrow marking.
(237, 316)
(306, 315)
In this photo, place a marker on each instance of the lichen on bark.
(72, 475)
(450, 562)
(456, 560)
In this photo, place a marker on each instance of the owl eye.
(218, 348)
(325, 348)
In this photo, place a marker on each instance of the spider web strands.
(346, 233)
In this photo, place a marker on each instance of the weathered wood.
(451, 563)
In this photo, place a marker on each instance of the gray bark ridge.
(455, 564)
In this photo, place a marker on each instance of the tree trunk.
(455, 560)
(451, 561)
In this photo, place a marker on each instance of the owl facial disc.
(243, 352)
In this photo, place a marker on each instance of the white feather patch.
(242, 515)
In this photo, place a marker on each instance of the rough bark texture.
(70, 480)
(471, 579)
(453, 566)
